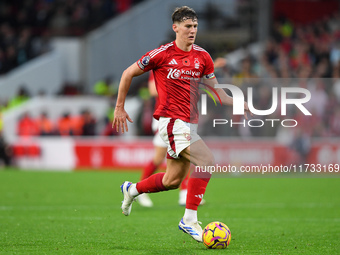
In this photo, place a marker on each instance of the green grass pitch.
(79, 213)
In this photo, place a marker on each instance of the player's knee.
(172, 184)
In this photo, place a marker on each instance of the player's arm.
(225, 98)
(120, 115)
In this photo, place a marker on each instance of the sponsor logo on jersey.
(173, 73)
(176, 73)
(173, 62)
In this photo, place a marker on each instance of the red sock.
(184, 184)
(196, 190)
(148, 170)
(152, 184)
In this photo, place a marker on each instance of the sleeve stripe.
(158, 50)
(155, 52)
(196, 47)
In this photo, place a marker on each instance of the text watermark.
(268, 168)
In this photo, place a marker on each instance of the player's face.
(186, 31)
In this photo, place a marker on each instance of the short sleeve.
(150, 60)
(208, 72)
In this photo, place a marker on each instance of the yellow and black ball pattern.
(216, 235)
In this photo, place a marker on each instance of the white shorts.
(177, 134)
(157, 140)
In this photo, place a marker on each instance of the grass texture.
(79, 213)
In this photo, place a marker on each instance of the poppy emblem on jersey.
(187, 136)
(145, 60)
(186, 62)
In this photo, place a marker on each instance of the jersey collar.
(182, 51)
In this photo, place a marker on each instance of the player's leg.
(200, 155)
(181, 136)
(160, 152)
(149, 185)
(175, 172)
(183, 189)
(158, 158)
(177, 134)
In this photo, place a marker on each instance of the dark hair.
(183, 13)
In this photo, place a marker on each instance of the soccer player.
(175, 65)
(159, 156)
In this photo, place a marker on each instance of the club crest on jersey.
(197, 63)
(187, 136)
(186, 62)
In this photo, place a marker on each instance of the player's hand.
(119, 120)
(246, 110)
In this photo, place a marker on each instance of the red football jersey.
(152, 78)
(177, 74)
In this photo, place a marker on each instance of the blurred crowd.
(82, 124)
(26, 26)
(65, 125)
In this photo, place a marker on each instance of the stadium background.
(64, 61)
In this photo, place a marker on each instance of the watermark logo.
(302, 96)
(204, 97)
